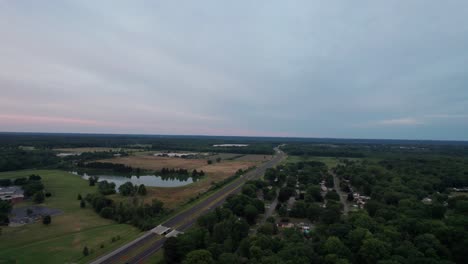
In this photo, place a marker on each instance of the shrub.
(46, 220)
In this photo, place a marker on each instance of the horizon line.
(202, 135)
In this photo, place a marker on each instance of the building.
(12, 193)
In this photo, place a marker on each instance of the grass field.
(253, 157)
(64, 239)
(216, 172)
(94, 149)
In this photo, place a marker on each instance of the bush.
(39, 197)
(46, 220)
(48, 194)
(107, 212)
(333, 195)
(85, 251)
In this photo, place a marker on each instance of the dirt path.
(343, 195)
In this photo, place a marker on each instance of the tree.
(356, 237)
(267, 229)
(39, 197)
(373, 250)
(82, 204)
(200, 256)
(313, 194)
(107, 212)
(79, 197)
(333, 245)
(333, 195)
(32, 187)
(249, 190)
(92, 181)
(313, 212)
(209, 162)
(142, 190)
(299, 210)
(127, 189)
(5, 209)
(85, 251)
(229, 258)
(171, 252)
(284, 194)
(46, 220)
(250, 213)
(106, 187)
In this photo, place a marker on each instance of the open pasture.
(64, 239)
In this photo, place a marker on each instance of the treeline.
(94, 155)
(18, 159)
(115, 167)
(145, 142)
(179, 172)
(323, 151)
(383, 149)
(142, 215)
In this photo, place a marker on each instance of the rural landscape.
(233, 132)
(271, 200)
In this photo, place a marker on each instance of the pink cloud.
(31, 119)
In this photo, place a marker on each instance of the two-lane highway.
(187, 218)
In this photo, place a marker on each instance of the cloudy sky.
(349, 69)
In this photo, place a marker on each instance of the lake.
(147, 180)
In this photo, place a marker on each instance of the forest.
(412, 216)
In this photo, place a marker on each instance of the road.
(343, 195)
(187, 218)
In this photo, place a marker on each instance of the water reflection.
(147, 180)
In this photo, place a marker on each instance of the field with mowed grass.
(64, 239)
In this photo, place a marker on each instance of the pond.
(147, 180)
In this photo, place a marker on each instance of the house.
(285, 225)
(13, 193)
(427, 200)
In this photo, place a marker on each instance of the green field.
(63, 240)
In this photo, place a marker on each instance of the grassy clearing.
(94, 149)
(64, 240)
(254, 158)
(224, 156)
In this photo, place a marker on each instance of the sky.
(392, 69)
